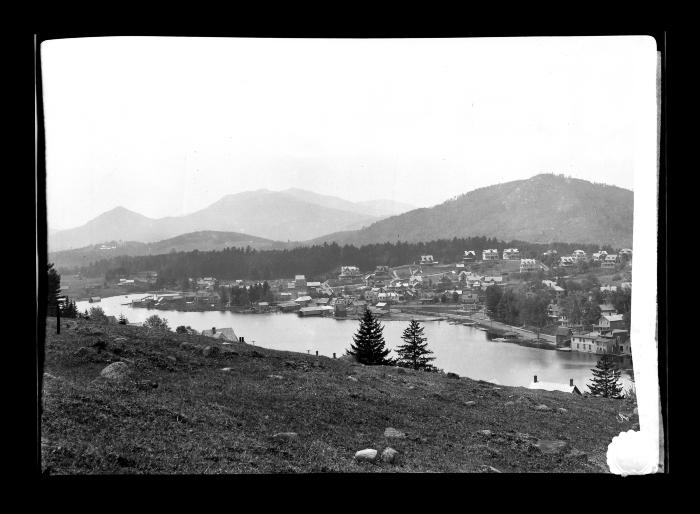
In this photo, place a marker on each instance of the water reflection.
(461, 349)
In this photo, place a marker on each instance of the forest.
(319, 262)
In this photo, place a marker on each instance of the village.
(430, 290)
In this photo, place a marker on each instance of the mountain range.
(543, 209)
(291, 215)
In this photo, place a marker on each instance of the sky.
(167, 126)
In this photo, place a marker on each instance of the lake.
(462, 350)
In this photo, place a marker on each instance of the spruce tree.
(369, 347)
(414, 354)
(606, 378)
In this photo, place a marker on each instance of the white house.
(347, 272)
(469, 256)
(554, 386)
(579, 255)
(427, 260)
(566, 262)
(527, 265)
(490, 255)
(610, 261)
(511, 254)
(600, 256)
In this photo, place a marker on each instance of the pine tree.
(606, 377)
(369, 347)
(123, 320)
(53, 289)
(414, 354)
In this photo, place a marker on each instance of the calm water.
(463, 350)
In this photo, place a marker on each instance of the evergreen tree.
(414, 354)
(606, 378)
(122, 319)
(369, 347)
(69, 310)
(53, 289)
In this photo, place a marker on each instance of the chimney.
(571, 382)
(213, 330)
(242, 339)
(535, 378)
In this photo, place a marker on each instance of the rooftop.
(553, 386)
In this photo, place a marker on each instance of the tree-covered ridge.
(313, 261)
(543, 208)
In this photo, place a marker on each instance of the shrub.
(98, 315)
(156, 322)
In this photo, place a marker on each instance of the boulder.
(485, 432)
(367, 455)
(541, 407)
(278, 377)
(562, 410)
(257, 354)
(576, 454)
(354, 379)
(115, 371)
(100, 345)
(185, 346)
(401, 371)
(211, 351)
(509, 404)
(392, 432)
(285, 435)
(453, 375)
(390, 456)
(82, 352)
(470, 403)
(551, 446)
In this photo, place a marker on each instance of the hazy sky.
(167, 126)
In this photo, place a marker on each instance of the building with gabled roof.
(226, 333)
(528, 265)
(489, 255)
(554, 386)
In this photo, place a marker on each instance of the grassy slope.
(200, 419)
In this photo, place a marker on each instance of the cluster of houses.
(608, 335)
(602, 257)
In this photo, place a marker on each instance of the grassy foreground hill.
(180, 409)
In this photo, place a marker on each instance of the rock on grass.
(551, 446)
(285, 435)
(393, 433)
(390, 456)
(115, 371)
(367, 455)
(211, 351)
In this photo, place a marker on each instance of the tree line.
(320, 261)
